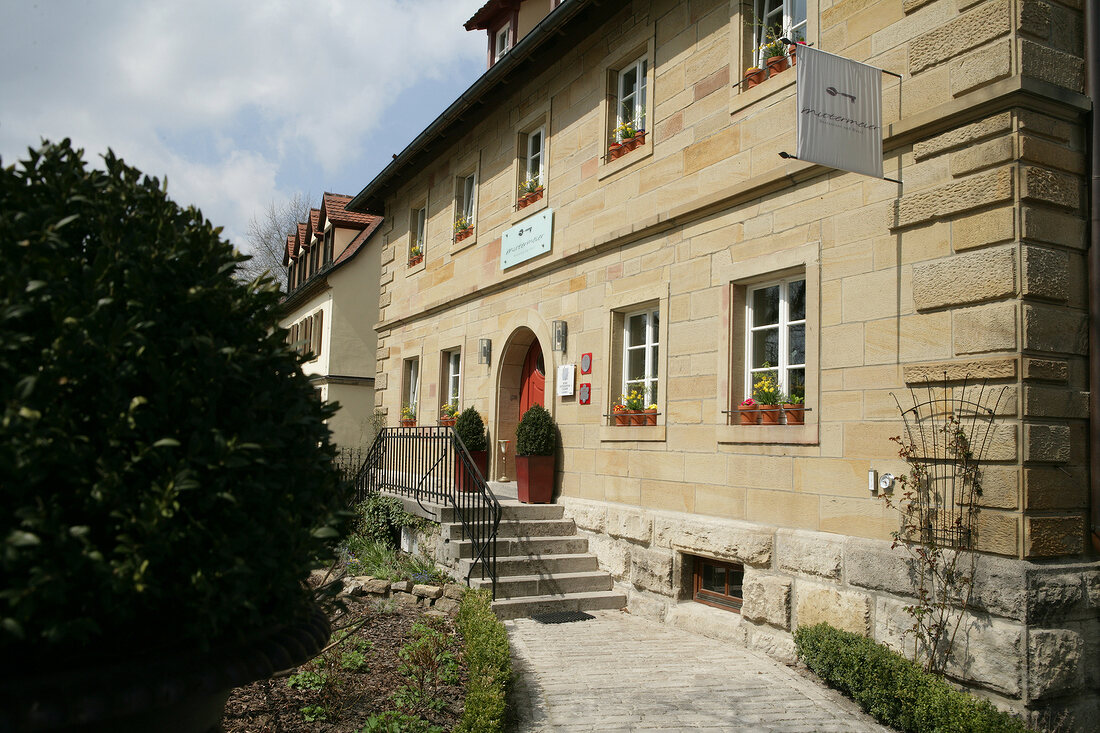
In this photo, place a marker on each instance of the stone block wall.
(1030, 641)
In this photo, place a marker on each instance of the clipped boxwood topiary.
(471, 429)
(893, 689)
(535, 435)
(167, 476)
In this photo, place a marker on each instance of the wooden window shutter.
(317, 320)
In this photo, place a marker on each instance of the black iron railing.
(432, 464)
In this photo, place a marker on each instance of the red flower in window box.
(750, 412)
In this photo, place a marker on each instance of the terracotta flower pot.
(615, 151)
(535, 479)
(754, 77)
(640, 138)
(447, 422)
(650, 417)
(777, 64)
(408, 423)
(637, 417)
(630, 143)
(621, 417)
(463, 234)
(794, 414)
(769, 414)
(416, 260)
(792, 50)
(749, 414)
(481, 461)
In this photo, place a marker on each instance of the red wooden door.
(532, 379)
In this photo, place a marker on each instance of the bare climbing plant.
(946, 434)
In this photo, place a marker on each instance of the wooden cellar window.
(718, 583)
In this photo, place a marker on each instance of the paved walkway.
(622, 673)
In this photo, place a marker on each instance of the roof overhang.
(551, 39)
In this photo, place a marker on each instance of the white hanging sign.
(839, 112)
(565, 380)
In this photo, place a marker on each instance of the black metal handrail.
(432, 463)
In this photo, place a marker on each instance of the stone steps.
(514, 546)
(515, 586)
(509, 608)
(542, 563)
(522, 528)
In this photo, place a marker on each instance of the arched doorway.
(521, 382)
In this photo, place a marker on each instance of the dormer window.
(503, 42)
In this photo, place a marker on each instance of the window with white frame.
(776, 19)
(631, 94)
(776, 336)
(641, 333)
(417, 225)
(533, 161)
(465, 192)
(503, 41)
(452, 366)
(410, 388)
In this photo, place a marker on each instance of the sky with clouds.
(239, 103)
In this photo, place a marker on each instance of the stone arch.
(522, 329)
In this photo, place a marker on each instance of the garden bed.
(349, 696)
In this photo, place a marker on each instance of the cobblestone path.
(621, 673)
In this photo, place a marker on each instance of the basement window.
(717, 583)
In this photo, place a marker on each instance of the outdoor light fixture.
(484, 350)
(560, 330)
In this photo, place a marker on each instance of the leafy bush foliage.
(165, 462)
(380, 521)
(396, 722)
(471, 429)
(893, 689)
(488, 664)
(379, 561)
(536, 435)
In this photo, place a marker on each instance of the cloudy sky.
(239, 102)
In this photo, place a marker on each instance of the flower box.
(459, 236)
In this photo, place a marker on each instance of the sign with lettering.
(839, 112)
(530, 238)
(565, 380)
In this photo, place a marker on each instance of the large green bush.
(166, 474)
(488, 664)
(893, 689)
(536, 435)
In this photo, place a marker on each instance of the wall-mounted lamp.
(560, 332)
(484, 350)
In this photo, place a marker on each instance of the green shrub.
(380, 521)
(166, 467)
(488, 664)
(471, 429)
(536, 435)
(893, 689)
(395, 722)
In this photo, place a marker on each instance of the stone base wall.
(1030, 642)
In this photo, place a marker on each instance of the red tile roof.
(300, 240)
(489, 13)
(333, 205)
(291, 251)
(360, 239)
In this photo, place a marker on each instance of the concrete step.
(539, 565)
(515, 547)
(509, 608)
(516, 586)
(514, 510)
(520, 528)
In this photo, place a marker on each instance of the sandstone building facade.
(330, 309)
(698, 259)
